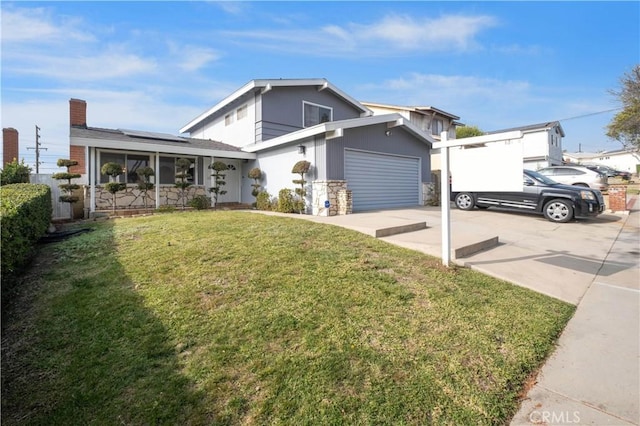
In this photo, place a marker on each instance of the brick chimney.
(9, 145)
(77, 112)
(77, 118)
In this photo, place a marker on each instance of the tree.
(625, 125)
(113, 170)
(183, 164)
(145, 184)
(15, 172)
(218, 180)
(256, 175)
(468, 131)
(68, 187)
(301, 167)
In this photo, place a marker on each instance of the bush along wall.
(25, 214)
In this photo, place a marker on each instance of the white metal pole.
(444, 202)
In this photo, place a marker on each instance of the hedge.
(25, 215)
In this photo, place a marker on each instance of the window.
(169, 170)
(315, 114)
(436, 127)
(228, 119)
(110, 157)
(135, 162)
(241, 112)
(129, 162)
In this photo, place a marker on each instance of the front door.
(232, 182)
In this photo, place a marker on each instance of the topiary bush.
(256, 175)
(218, 180)
(68, 187)
(25, 214)
(113, 170)
(301, 167)
(182, 182)
(145, 184)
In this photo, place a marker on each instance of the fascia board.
(496, 137)
(241, 91)
(269, 83)
(152, 148)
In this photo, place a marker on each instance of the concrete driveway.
(593, 377)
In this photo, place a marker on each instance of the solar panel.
(152, 135)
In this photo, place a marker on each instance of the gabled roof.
(427, 110)
(136, 140)
(531, 128)
(267, 84)
(334, 129)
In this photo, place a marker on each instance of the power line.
(590, 114)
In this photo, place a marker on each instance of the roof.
(334, 129)
(602, 153)
(137, 140)
(420, 109)
(532, 127)
(266, 85)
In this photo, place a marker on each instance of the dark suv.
(557, 202)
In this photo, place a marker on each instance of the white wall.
(239, 133)
(277, 164)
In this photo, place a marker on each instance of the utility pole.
(37, 148)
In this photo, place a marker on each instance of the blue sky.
(156, 65)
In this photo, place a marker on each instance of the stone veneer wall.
(131, 198)
(330, 190)
(430, 194)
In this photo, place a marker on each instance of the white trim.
(332, 128)
(150, 148)
(269, 84)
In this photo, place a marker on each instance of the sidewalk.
(593, 377)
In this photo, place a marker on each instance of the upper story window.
(228, 119)
(315, 114)
(437, 126)
(241, 112)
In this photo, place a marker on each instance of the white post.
(92, 169)
(444, 201)
(156, 179)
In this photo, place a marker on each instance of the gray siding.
(373, 139)
(282, 109)
(320, 150)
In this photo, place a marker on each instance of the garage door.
(381, 181)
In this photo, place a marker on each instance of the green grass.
(240, 318)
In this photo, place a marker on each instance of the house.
(358, 161)
(627, 160)
(541, 144)
(432, 120)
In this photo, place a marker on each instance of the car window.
(540, 178)
(568, 171)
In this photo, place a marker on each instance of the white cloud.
(391, 35)
(37, 25)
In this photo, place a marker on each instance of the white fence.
(60, 210)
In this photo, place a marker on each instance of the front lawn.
(239, 318)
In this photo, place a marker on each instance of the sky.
(155, 66)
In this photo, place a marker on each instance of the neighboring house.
(626, 160)
(541, 144)
(358, 161)
(431, 120)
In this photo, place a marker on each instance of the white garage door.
(381, 181)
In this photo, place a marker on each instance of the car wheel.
(558, 210)
(465, 201)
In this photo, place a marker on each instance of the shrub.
(286, 202)
(145, 185)
(15, 172)
(301, 167)
(166, 208)
(200, 202)
(182, 178)
(25, 215)
(256, 175)
(263, 201)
